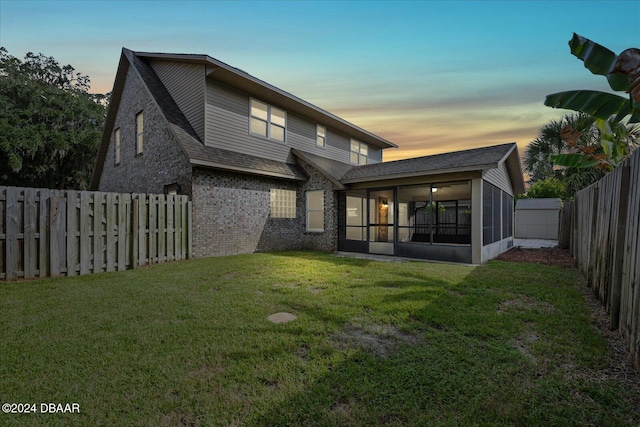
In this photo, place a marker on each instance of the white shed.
(538, 218)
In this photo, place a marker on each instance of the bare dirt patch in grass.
(523, 343)
(276, 286)
(378, 339)
(524, 303)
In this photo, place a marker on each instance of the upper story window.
(116, 146)
(321, 136)
(139, 132)
(359, 152)
(267, 121)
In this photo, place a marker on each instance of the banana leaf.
(599, 60)
(573, 160)
(600, 105)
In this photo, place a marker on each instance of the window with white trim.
(359, 152)
(267, 121)
(315, 210)
(139, 132)
(321, 136)
(116, 146)
(283, 203)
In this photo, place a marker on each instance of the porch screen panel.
(487, 215)
(355, 222)
(507, 215)
(496, 211)
(497, 214)
(437, 213)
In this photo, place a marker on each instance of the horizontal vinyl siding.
(185, 83)
(227, 126)
(375, 155)
(499, 177)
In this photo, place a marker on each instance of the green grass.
(375, 343)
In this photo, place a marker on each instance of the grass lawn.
(375, 343)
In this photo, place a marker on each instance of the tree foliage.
(609, 110)
(550, 187)
(552, 140)
(50, 125)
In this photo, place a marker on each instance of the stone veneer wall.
(231, 214)
(162, 161)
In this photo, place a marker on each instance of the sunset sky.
(430, 76)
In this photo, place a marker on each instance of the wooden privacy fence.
(51, 233)
(605, 244)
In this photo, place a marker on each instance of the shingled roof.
(331, 169)
(458, 161)
(195, 150)
(476, 159)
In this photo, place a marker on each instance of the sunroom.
(455, 207)
(431, 221)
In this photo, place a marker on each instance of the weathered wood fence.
(51, 233)
(606, 246)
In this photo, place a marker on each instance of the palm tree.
(537, 162)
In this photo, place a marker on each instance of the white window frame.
(139, 132)
(269, 122)
(311, 210)
(321, 136)
(282, 203)
(116, 146)
(360, 153)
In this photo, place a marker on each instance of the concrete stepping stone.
(282, 317)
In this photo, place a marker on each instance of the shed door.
(537, 224)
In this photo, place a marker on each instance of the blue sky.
(431, 76)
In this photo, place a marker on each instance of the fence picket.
(43, 232)
(11, 240)
(29, 233)
(57, 234)
(162, 228)
(135, 217)
(153, 228)
(618, 252)
(98, 219)
(170, 228)
(124, 207)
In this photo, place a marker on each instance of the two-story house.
(269, 171)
